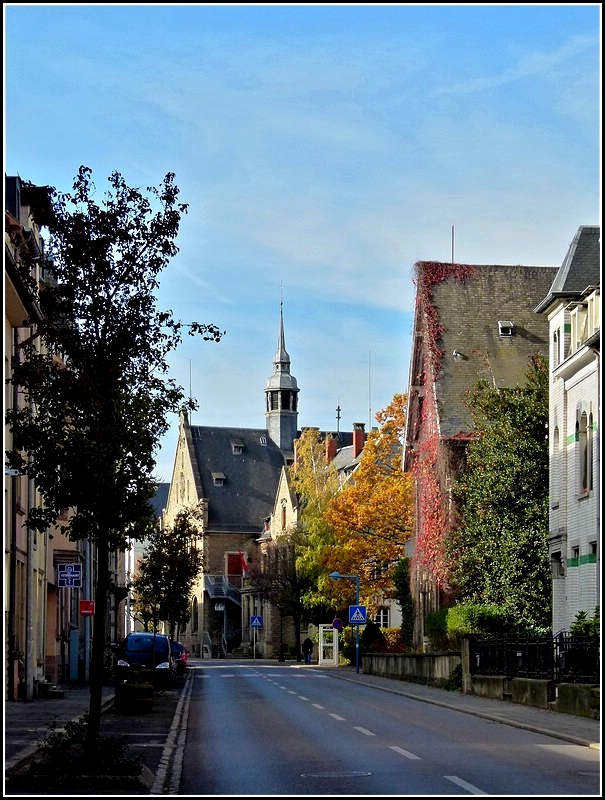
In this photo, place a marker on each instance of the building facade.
(572, 307)
(471, 322)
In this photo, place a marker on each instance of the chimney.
(359, 437)
(331, 447)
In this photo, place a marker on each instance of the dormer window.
(237, 447)
(218, 478)
(505, 327)
(263, 440)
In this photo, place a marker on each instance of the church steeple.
(281, 396)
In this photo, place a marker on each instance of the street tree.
(498, 552)
(99, 381)
(371, 518)
(168, 571)
(282, 582)
(315, 483)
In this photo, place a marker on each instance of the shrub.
(583, 625)
(435, 626)
(69, 752)
(372, 639)
(394, 640)
(485, 620)
(454, 682)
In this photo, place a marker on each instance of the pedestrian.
(307, 648)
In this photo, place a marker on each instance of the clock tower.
(281, 398)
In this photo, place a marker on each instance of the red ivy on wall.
(427, 465)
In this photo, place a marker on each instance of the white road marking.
(364, 730)
(302, 697)
(464, 785)
(316, 705)
(337, 717)
(403, 752)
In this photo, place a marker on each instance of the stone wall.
(434, 669)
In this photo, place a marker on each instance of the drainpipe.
(30, 654)
(12, 602)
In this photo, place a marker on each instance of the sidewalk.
(26, 723)
(568, 727)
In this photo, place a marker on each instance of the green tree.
(168, 572)
(99, 383)
(403, 594)
(498, 552)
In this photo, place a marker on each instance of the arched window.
(555, 469)
(584, 477)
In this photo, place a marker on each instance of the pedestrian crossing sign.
(357, 615)
(256, 622)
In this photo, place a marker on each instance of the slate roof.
(580, 269)
(247, 494)
(160, 500)
(469, 312)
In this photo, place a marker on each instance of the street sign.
(357, 615)
(337, 623)
(256, 622)
(70, 575)
(87, 608)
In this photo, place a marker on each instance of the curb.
(503, 720)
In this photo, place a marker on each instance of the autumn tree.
(371, 518)
(99, 382)
(315, 483)
(167, 573)
(498, 552)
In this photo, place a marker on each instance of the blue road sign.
(256, 622)
(357, 615)
(70, 575)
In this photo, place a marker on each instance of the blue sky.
(323, 150)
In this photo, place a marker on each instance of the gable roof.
(247, 493)
(581, 267)
(160, 499)
(468, 312)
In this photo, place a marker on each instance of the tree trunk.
(98, 639)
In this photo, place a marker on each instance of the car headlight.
(163, 665)
(122, 663)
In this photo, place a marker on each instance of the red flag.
(244, 565)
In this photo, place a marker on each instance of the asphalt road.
(270, 730)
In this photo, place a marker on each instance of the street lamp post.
(336, 576)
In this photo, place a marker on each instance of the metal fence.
(560, 658)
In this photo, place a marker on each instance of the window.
(578, 319)
(382, 617)
(283, 516)
(218, 478)
(194, 616)
(584, 442)
(555, 471)
(505, 327)
(237, 447)
(556, 348)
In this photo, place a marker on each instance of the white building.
(573, 309)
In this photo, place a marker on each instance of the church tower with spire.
(281, 397)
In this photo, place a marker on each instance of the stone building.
(471, 322)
